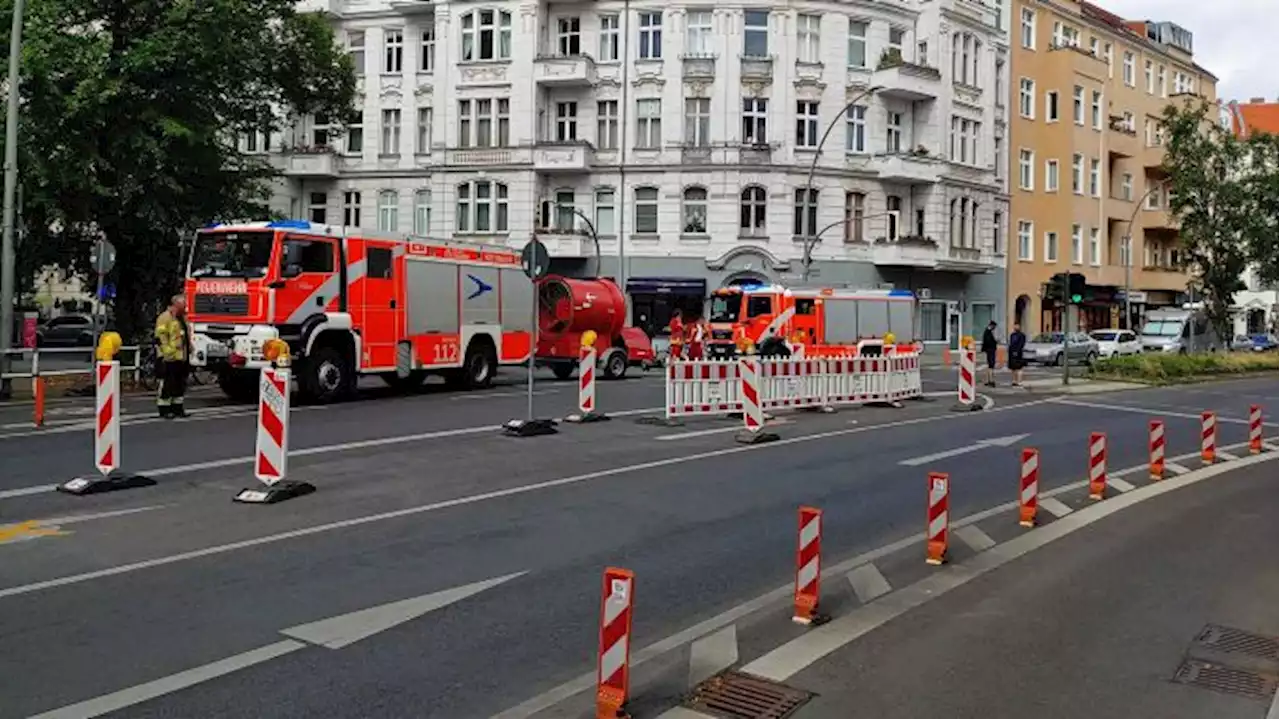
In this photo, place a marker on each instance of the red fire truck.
(351, 302)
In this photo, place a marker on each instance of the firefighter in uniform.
(677, 334)
(171, 352)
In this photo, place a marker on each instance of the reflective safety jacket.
(171, 336)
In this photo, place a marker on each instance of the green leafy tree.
(130, 115)
(1212, 204)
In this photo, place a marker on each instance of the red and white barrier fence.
(703, 387)
(808, 565)
(1208, 437)
(967, 390)
(936, 527)
(1255, 429)
(1029, 487)
(271, 453)
(1155, 441)
(1097, 465)
(613, 668)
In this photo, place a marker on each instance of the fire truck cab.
(825, 321)
(350, 301)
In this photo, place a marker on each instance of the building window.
(605, 212)
(1093, 46)
(997, 234)
(391, 132)
(482, 207)
(609, 38)
(1027, 98)
(393, 51)
(756, 33)
(388, 211)
(355, 133)
(1026, 170)
(694, 211)
(752, 214)
(1026, 231)
(1148, 73)
(486, 35)
(422, 212)
(1126, 251)
(1051, 176)
(607, 125)
(857, 44)
(933, 321)
(802, 225)
(355, 48)
(856, 126)
(1095, 247)
(974, 210)
(697, 122)
(1160, 74)
(566, 216)
(649, 124)
(999, 158)
(1077, 246)
(755, 121)
(806, 124)
(1077, 105)
(426, 118)
(351, 208)
(896, 36)
(1050, 247)
(479, 125)
(1128, 68)
(1095, 177)
(893, 131)
(1051, 106)
(650, 36)
(647, 210)
(1153, 197)
(566, 121)
(320, 131)
(1126, 187)
(1096, 109)
(317, 206)
(568, 36)
(1028, 28)
(427, 51)
(698, 33)
(854, 214)
(808, 32)
(1110, 57)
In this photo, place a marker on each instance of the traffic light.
(1075, 288)
(1072, 282)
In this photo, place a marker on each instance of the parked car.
(1255, 343)
(66, 331)
(1116, 343)
(1046, 348)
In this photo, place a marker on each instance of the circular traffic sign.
(102, 257)
(535, 259)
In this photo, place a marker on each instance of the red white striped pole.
(808, 565)
(1029, 487)
(752, 412)
(272, 450)
(106, 439)
(587, 380)
(1156, 434)
(613, 669)
(968, 377)
(937, 524)
(1208, 437)
(1097, 465)
(1255, 429)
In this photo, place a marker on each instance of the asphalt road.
(419, 495)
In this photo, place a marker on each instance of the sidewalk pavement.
(1094, 624)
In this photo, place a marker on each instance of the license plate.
(216, 350)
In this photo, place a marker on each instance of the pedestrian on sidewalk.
(171, 353)
(1017, 345)
(989, 347)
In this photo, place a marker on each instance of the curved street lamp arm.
(591, 230)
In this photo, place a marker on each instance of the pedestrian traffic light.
(1068, 286)
(1075, 288)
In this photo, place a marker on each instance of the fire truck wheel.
(615, 366)
(326, 375)
(479, 366)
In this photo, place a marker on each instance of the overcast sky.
(1237, 40)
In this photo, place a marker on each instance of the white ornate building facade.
(683, 133)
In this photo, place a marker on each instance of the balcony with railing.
(566, 243)
(570, 156)
(904, 80)
(488, 156)
(928, 253)
(310, 162)
(565, 70)
(907, 168)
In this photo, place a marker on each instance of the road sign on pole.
(536, 262)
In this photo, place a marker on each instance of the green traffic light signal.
(1075, 299)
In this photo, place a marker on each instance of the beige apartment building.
(1087, 88)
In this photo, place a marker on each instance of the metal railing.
(55, 364)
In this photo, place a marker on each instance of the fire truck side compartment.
(431, 296)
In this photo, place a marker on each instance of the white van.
(1179, 330)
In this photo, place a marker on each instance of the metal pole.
(10, 190)
(1128, 267)
(1066, 328)
(533, 347)
(811, 239)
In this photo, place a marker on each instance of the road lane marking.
(971, 447)
(712, 654)
(785, 661)
(1151, 412)
(77, 518)
(1176, 468)
(198, 415)
(461, 501)
(1055, 507)
(974, 538)
(1227, 456)
(868, 583)
(23, 531)
(1120, 484)
(718, 430)
(491, 395)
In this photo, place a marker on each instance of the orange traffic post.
(1255, 429)
(808, 566)
(1097, 465)
(1208, 437)
(37, 391)
(937, 522)
(1029, 487)
(613, 668)
(946, 356)
(1156, 442)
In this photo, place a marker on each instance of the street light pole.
(808, 239)
(1128, 241)
(10, 192)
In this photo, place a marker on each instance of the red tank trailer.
(568, 307)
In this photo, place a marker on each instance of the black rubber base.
(749, 437)
(587, 418)
(660, 421)
(922, 398)
(529, 427)
(958, 407)
(891, 404)
(110, 483)
(278, 492)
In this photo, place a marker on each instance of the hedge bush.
(1159, 367)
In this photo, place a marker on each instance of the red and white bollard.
(752, 407)
(1255, 429)
(1155, 435)
(936, 528)
(967, 388)
(106, 437)
(1029, 487)
(808, 566)
(271, 450)
(613, 667)
(1208, 437)
(587, 388)
(1097, 465)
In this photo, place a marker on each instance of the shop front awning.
(685, 286)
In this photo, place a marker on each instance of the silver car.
(1046, 348)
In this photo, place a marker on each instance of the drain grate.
(1228, 680)
(738, 696)
(1237, 641)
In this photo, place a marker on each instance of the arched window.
(486, 35)
(388, 211)
(752, 217)
(482, 207)
(694, 211)
(422, 212)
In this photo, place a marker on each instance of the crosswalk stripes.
(868, 583)
(1054, 507)
(975, 538)
(1176, 468)
(1120, 484)
(1227, 456)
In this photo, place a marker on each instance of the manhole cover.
(739, 696)
(1237, 641)
(1256, 685)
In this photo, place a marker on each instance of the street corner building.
(1089, 196)
(677, 142)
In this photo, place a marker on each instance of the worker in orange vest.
(699, 333)
(676, 329)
